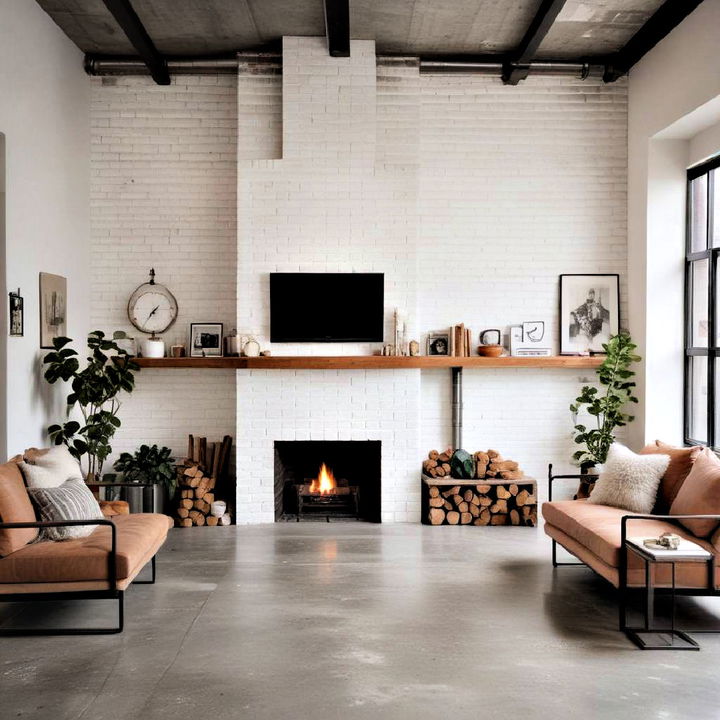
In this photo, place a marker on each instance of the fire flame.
(324, 483)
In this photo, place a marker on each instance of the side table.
(688, 552)
(148, 491)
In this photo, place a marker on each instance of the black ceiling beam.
(517, 64)
(337, 27)
(127, 19)
(666, 18)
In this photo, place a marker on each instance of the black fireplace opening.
(327, 480)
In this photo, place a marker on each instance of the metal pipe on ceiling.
(181, 66)
(95, 65)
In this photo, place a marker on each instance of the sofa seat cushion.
(15, 507)
(82, 559)
(597, 527)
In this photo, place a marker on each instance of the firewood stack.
(482, 489)
(198, 475)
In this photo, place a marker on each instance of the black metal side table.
(688, 552)
(148, 491)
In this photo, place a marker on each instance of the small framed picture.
(438, 343)
(533, 331)
(53, 309)
(589, 312)
(206, 339)
(17, 315)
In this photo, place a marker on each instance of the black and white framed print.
(438, 343)
(17, 315)
(206, 339)
(53, 308)
(589, 312)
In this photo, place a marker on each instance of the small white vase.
(153, 348)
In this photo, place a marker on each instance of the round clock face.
(152, 308)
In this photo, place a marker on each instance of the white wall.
(164, 167)
(673, 92)
(472, 198)
(44, 116)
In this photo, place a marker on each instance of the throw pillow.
(700, 494)
(629, 481)
(70, 501)
(50, 468)
(681, 462)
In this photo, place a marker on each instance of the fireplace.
(327, 480)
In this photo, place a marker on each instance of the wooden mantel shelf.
(370, 362)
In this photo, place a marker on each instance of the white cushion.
(628, 480)
(51, 468)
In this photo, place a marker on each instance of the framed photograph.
(589, 312)
(53, 308)
(206, 339)
(438, 343)
(17, 315)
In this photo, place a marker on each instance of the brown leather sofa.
(101, 565)
(595, 535)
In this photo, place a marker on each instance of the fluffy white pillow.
(51, 469)
(629, 481)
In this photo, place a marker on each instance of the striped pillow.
(70, 501)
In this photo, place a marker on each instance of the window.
(702, 331)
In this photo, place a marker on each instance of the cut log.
(499, 519)
(462, 507)
(451, 491)
(522, 498)
(433, 455)
(499, 508)
(211, 520)
(503, 493)
(437, 502)
(513, 489)
(468, 495)
(447, 505)
(475, 499)
(209, 498)
(185, 522)
(514, 517)
(436, 516)
(483, 489)
(453, 517)
(182, 512)
(465, 518)
(187, 503)
(485, 501)
(434, 492)
(474, 510)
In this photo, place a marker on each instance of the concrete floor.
(357, 621)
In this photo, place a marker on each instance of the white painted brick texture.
(164, 181)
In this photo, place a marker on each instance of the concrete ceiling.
(584, 28)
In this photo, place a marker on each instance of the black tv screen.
(326, 307)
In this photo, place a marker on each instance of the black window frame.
(712, 351)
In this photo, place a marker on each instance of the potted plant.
(95, 389)
(606, 404)
(150, 464)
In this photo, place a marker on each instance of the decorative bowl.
(490, 350)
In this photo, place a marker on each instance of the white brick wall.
(477, 198)
(471, 197)
(164, 179)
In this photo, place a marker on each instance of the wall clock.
(152, 308)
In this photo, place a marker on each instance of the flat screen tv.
(327, 307)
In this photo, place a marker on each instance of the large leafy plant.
(149, 464)
(605, 404)
(95, 389)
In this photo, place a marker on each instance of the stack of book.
(460, 340)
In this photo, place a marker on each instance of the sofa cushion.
(50, 467)
(15, 506)
(679, 467)
(700, 494)
(70, 501)
(597, 527)
(87, 558)
(628, 480)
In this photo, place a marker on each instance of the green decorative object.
(95, 389)
(149, 464)
(462, 465)
(605, 404)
